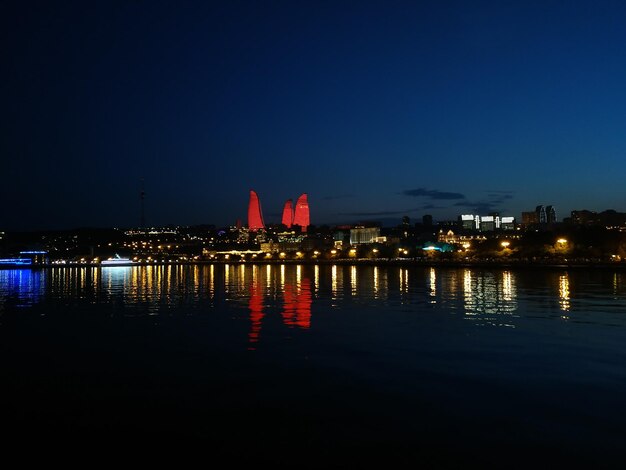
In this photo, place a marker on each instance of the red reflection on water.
(303, 305)
(256, 312)
(289, 307)
(296, 307)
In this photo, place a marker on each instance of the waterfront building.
(541, 218)
(507, 223)
(488, 223)
(301, 214)
(255, 216)
(287, 219)
(363, 235)
(530, 218)
(469, 222)
(485, 223)
(609, 218)
(541, 214)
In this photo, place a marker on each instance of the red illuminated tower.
(301, 216)
(288, 213)
(255, 217)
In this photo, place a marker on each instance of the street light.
(505, 244)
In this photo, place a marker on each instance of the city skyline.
(118, 112)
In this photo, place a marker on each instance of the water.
(316, 366)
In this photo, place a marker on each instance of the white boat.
(117, 260)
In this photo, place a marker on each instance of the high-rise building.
(530, 218)
(507, 223)
(361, 235)
(469, 221)
(288, 214)
(541, 214)
(255, 216)
(301, 215)
(543, 217)
(487, 223)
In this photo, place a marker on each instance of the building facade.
(287, 219)
(255, 216)
(363, 235)
(301, 214)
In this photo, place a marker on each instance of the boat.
(117, 260)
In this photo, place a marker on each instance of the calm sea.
(317, 365)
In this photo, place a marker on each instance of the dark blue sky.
(375, 109)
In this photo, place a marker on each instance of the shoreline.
(351, 262)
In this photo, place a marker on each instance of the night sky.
(375, 109)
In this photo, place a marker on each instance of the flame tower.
(255, 217)
(301, 216)
(288, 213)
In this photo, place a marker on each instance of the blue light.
(26, 285)
(16, 261)
(33, 252)
(443, 247)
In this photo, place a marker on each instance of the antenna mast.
(142, 195)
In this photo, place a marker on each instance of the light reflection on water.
(473, 291)
(21, 287)
(493, 346)
(494, 297)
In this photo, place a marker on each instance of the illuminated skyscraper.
(541, 214)
(288, 213)
(255, 217)
(301, 216)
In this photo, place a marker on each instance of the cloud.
(481, 207)
(432, 194)
(498, 197)
(478, 207)
(493, 202)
